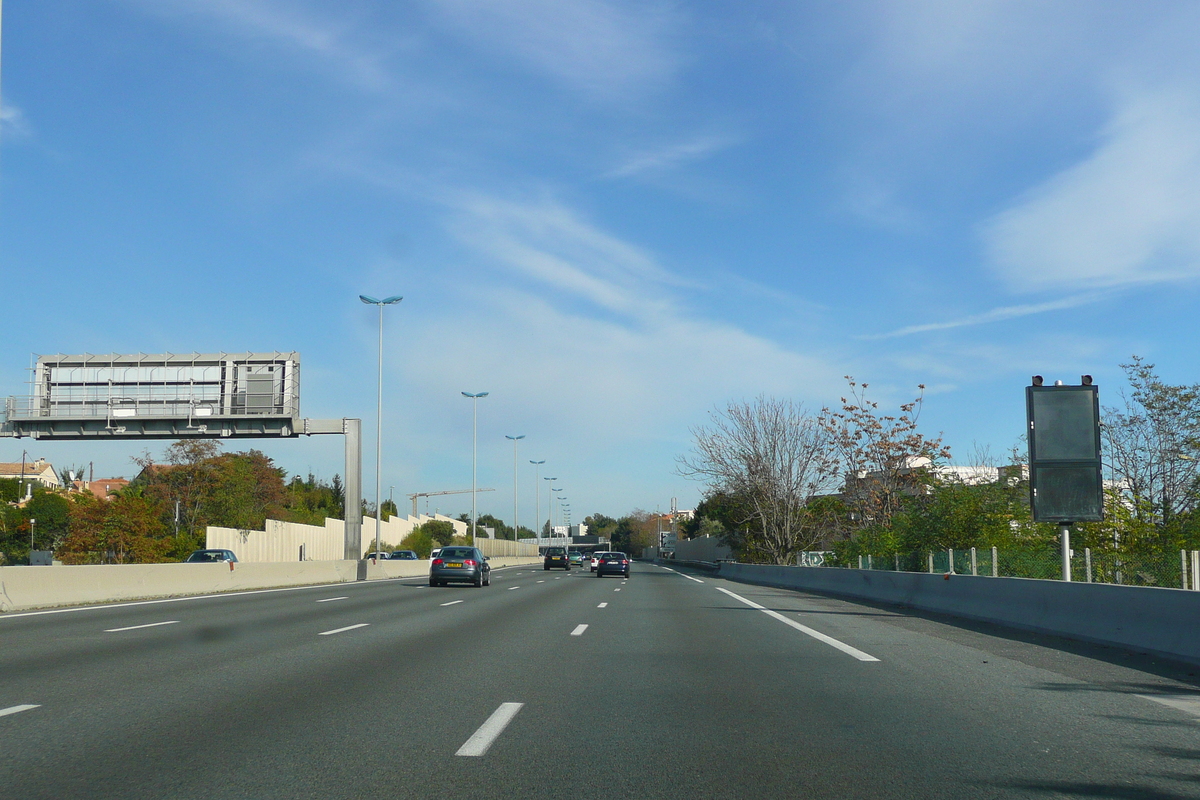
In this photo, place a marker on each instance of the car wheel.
(432, 582)
(546, 568)
(488, 580)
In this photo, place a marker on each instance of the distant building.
(39, 471)
(103, 488)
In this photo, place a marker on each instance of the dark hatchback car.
(404, 555)
(211, 557)
(557, 557)
(460, 565)
(613, 564)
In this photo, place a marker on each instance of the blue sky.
(612, 216)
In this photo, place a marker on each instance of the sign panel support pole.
(1064, 533)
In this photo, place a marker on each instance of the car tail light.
(624, 563)
(437, 561)
(470, 562)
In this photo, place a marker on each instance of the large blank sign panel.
(160, 396)
(1065, 478)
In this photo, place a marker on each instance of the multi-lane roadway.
(544, 685)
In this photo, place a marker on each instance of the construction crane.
(414, 496)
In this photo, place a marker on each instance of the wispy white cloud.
(1129, 213)
(601, 47)
(326, 39)
(13, 122)
(995, 315)
(552, 244)
(671, 156)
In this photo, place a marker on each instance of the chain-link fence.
(1130, 569)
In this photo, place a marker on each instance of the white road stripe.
(602, 605)
(616, 590)
(829, 640)
(489, 731)
(541, 581)
(690, 578)
(1187, 703)
(513, 587)
(452, 602)
(138, 627)
(331, 599)
(4, 712)
(579, 629)
(341, 630)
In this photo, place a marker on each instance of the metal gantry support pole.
(353, 499)
(537, 505)
(474, 459)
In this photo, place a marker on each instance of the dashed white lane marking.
(541, 581)
(452, 602)
(602, 605)
(513, 587)
(331, 599)
(342, 630)
(489, 731)
(579, 629)
(1187, 703)
(689, 577)
(559, 578)
(829, 640)
(4, 712)
(137, 627)
(617, 589)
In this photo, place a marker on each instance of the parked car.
(404, 555)
(460, 565)
(211, 557)
(557, 557)
(613, 564)
(596, 558)
(575, 557)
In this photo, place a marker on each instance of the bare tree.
(776, 457)
(886, 456)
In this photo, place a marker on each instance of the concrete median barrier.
(24, 588)
(1143, 618)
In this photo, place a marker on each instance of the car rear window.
(456, 552)
(554, 551)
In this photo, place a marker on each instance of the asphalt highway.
(549, 685)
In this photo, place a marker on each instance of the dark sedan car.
(557, 557)
(613, 564)
(404, 555)
(211, 557)
(461, 565)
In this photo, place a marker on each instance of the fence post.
(897, 555)
(1064, 534)
(950, 556)
(930, 563)
(1183, 571)
(974, 563)
(870, 562)
(995, 565)
(1196, 570)
(1087, 558)
(860, 562)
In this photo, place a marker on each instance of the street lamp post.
(371, 301)
(550, 508)
(537, 505)
(474, 459)
(515, 439)
(559, 498)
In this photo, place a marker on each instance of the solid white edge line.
(218, 595)
(829, 640)
(602, 605)
(690, 578)
(490, 730)
(341, 630)
(579, 629)
(331, 599)
(137, 627)
(1187, 703)
(4, 712)
(451, 603)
